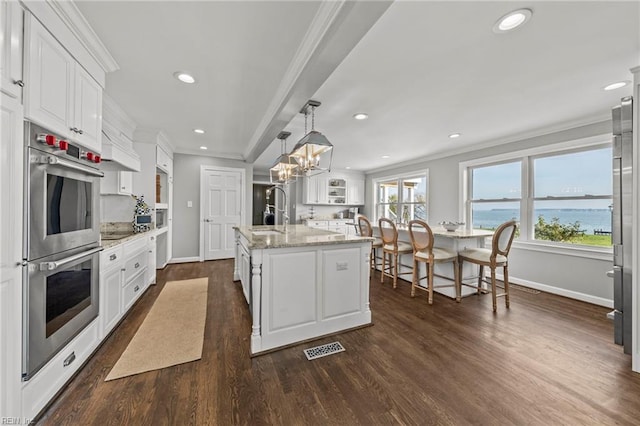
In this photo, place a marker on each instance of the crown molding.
(77, 23)
(203, 153)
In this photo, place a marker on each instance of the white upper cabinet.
(88, 110)
(315, 189)
(333, 189)
(164, 161)
(11, 42)
(58, 93)
(355, 191)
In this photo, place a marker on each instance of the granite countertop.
(114, 233)
(266, 237)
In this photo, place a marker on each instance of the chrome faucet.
(285, 215)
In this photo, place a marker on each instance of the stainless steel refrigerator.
(621, 221)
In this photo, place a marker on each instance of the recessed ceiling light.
(455, 135)
(348, 167)
(361, 116)
(614, 86)
(184, 77)
(198, 131)
(385, 156)
(203, 147)
(512, 20)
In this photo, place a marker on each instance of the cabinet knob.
(122, 187)
(137, 265)
(80, 131)
(18, 83)
(74, 129)
(113, 257)
(136, 288)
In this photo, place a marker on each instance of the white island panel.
(291, 297)
(341, 268)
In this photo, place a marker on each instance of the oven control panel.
(44, 140)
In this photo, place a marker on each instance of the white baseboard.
(185, 259)
(600, 301)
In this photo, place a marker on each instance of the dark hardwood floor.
(547, 360)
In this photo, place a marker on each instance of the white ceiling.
(422, 71)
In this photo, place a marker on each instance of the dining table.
(455, 241)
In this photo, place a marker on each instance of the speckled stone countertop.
(114, 233)
(267, 237)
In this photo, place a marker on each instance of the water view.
(590, 219)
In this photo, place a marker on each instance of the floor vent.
(323, 350)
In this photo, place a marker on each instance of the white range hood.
(117, 151)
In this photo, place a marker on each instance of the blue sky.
(575, 174)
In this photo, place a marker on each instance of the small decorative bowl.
(451, 226)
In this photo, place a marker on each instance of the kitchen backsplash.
(117, 208)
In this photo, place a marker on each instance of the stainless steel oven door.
(63, 204)
(60, 298)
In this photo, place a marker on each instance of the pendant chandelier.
(313, 152)
(285, 169)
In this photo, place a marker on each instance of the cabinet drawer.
(132, 291)
(39, 390)
(132, 247)
(134, 265)
(111, 257)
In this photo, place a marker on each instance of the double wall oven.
(61, 245)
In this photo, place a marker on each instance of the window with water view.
(562, 197)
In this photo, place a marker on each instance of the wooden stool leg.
(493, 289)
(456, 280)
(480, 277)
(414, 279)
(384, 256)
(395, 270)
(430, 278)
(506, 285)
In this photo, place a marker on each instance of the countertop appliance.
(621, 217)
(61, 247)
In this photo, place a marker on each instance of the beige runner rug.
(171, 334)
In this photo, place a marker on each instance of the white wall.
(186, 187)
(578, 277)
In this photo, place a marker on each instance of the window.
(563, 197)
(402, 199)
(496, 194)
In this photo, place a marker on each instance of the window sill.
(598, 253)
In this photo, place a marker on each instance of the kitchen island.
(301, 283)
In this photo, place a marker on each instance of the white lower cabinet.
(151, 262)
(124, 276)
(136, 254)
(342, 226)
(111, 277)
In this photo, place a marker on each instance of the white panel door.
(222, 201)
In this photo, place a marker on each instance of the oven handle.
(68, 164)
(50, 266)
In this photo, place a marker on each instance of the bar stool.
(366, 230)
(393, 248)
(494, 257)
(424, 251)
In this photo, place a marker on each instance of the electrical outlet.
(342, 266)
(189, 203)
